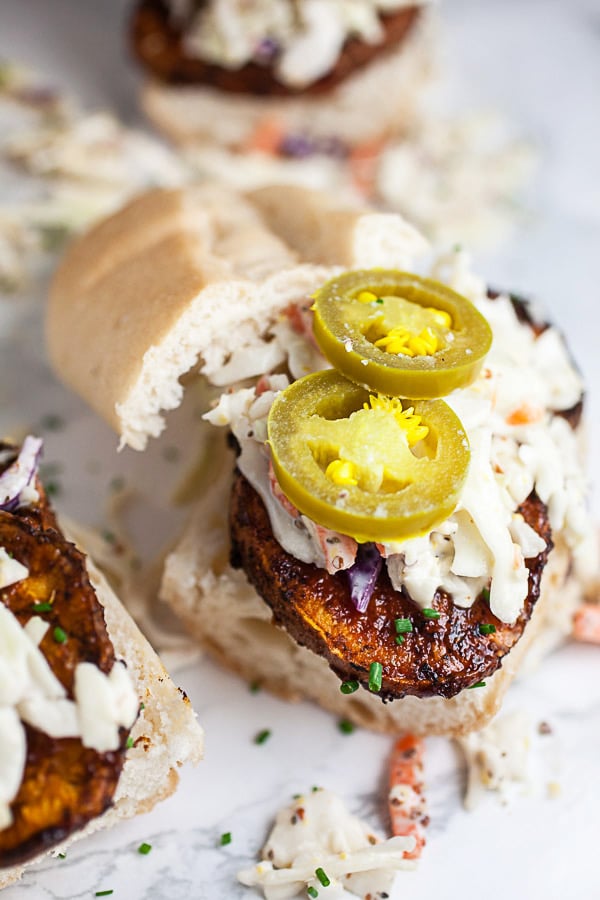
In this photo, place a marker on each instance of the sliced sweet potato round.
(438, 657)
(65, 785)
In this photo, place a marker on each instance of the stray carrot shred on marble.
(406, 798)
(266, 137)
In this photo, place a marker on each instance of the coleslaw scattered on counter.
(317, 847)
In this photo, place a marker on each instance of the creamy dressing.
(498, 757)
(303, 39)
(316, 831)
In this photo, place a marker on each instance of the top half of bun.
(175, 278)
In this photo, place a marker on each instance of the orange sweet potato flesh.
(439, 657)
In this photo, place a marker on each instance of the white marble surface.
(539, 61)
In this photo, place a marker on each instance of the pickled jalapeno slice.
(374, 467)
(400, 334)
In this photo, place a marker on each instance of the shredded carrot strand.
(586, 623)
(406, 801)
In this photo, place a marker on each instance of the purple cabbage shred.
(363, 575)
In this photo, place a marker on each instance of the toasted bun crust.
(166, 734)
(203, 589)
(361, 108)
(144, 295)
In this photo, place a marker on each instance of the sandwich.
(92, 728)
(306, 77)
(398, 513)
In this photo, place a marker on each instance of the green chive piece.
(375, 677)
(225, 839)
(321, 875)
(144, 849)
(52, 488)
(254, 687)
(345, 726)
(129, 743)
(403, 626)
(399, 638)
(104, 893)
(430, 613)
(349, 687)
(60, 636)
(62, 855)
(315, 788)
(312, 892)
(486, 594)
(487, 629)
(41, 607)
(262, 736)
(379, 300)
(52, 422)
(142, 707)
(476, 685)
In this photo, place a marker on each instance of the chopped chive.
(60, 636)
(144, 849)
(487, 629)
(254, 687)
(322, 877)
(52, 422)
(262, 736)
(52, 488)
(349, 687)
(104, 893)
(345, 726)
(142, 706)
(315, 788)
(399, 639)
(41, 607)
(375, 677)
(62, 855)
(403, 626)
(485, 594)
(225, 839)
(129, 743)
(109, 536)
(476, 685)
(379, 300)
(312, 892)
(430, 613)
(171, 454)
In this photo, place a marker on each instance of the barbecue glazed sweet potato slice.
(65, 785)
(439, 657)
(158, 45)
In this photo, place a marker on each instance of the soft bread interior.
(166, 734)
(148, 293)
